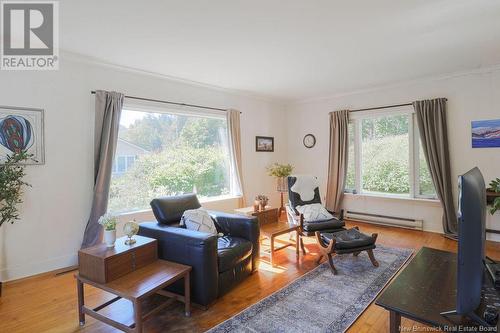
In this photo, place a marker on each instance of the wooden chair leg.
(370, 252)
(372, 258)
(332, 266)
(356, 253)
(319, 259)
(302, 245)
(326, 250)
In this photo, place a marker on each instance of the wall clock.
(309, 141)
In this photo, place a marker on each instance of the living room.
(205, 99)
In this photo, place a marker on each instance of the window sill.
(135, 213)
(393, 197)
(221, 198)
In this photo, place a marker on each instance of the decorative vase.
(110, 237)
(282, 185)
(263, 204)
(256, 205)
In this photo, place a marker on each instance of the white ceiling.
(287, 49)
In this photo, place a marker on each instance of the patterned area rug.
(319, 301)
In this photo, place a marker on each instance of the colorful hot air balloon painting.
(16, 133)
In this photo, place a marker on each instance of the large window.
(386, 157)
(162, 154)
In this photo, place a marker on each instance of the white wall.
(56, 208)
(471, 96)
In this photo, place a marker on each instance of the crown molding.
(77, 57)
(399, 84)
(81, 58)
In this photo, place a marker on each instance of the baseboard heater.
(392, 221)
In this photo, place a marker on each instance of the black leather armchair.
(218, 262)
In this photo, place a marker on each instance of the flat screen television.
(471, 243)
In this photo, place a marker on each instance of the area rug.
(319, 301)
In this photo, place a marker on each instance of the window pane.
(170, 154)
(425, 181)
(385, 155)
(350, 183)
(121, 167)
(130, 161)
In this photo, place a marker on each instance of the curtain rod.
(384, 107)
(168, 102)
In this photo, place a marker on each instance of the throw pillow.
(314, 212)
(199, 220)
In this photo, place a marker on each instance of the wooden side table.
(266, 216)
(273, 230)
(135, 287)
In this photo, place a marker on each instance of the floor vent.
(392, 221)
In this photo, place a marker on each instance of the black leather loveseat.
(218, 262)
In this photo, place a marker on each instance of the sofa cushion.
(349, 239)
(314, 212)
(168, 210)
(199, 220)
(231, 251)
(312, 226)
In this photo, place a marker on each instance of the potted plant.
(281, 172)
(108, 222)
(261, 202)
(494, 196)
(12, 172)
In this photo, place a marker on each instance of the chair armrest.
(192, 248)
(294, 218)
(243, 227)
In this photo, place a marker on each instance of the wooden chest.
(266, 216)
(102, 265)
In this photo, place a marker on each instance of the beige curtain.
(108, 108)
(431, 118)
(233, 125)
(337, 162)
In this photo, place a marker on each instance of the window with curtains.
(163, 153)
(386, 157)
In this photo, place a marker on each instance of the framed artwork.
(21, 129)
(264, 143)
(485, 133)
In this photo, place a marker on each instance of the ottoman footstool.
(343, 242)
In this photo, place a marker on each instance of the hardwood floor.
(48, 303)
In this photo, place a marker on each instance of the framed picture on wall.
(264, 143)
(485, 133)
(21, 129)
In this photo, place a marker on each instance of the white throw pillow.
(199, 220)
(314, 212)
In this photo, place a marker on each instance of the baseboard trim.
(55, 272)
(50, 266)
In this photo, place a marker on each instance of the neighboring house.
(125, 156)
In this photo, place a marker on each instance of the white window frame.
(413, 144)
(154, 107)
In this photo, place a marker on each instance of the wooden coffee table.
(273, 230)
(135, 287)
